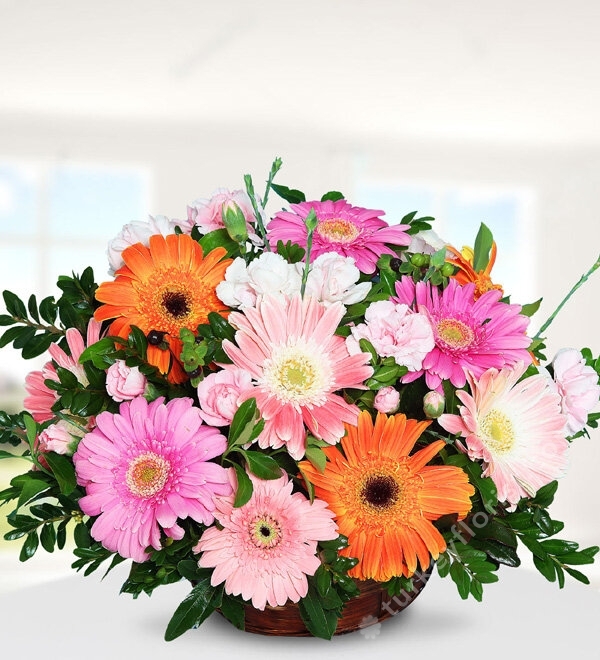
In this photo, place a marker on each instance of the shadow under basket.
(371, 606)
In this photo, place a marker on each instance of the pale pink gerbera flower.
(348, 230)
(298, 363)
(470, 335)
(40, 398)
(144, 468)
(515, 428)
(267, 547)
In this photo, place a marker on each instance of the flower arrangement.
(280, 410)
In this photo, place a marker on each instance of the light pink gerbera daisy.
(470, 335)
(348, 230)
(515, 428)
(40, 397)
(267, 547)
(298, 363)
(144, 468)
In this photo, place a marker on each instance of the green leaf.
(202, 601)
(482, 248)
(30, 429)
(48, 537)
(578, 575)
(189, 569)
(25, 336)
(233, 610)
(289, 194)
(323, 580)
(531, 308)
(534, 546)
(31, 488)
(14, 305)
(499, 532)
(503, 554)
(48, 309)
(315, 617)
(317, 458)
(243, 422)
(576, 558)
(461, 578)
(333, 196)
(261, 465)
(29, 547)
(10, 335)
(476, 590)
(37, 345)
(32, 307)
(63, 470)
(443, 565)
(82, 536)
(244, 488)
(545, 495)
(545, 567)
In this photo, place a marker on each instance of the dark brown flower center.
(380, 491)
(176, 304)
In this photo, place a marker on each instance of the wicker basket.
(371, 606)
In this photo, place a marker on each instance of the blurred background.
(469, 111)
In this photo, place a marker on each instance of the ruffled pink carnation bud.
(433, 404)
(219, 395)
(61, 438)
(124, 383)
(577, 384)
(387, 400)
(207, 214)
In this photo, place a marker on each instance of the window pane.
(18, 200)
(86, 202)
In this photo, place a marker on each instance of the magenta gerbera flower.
(348, 230)
(291, 351)
(470, 335)
(144, 468)
(267, 547)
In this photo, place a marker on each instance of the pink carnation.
(387, 400)
(61, 438)
(207, 215)
(394, 331)
(124, 383)
(219, 395)
(578, 387)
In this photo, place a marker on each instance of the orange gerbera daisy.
(466, 273)
(161, 289)
(385, 500)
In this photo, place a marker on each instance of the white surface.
(522, 616)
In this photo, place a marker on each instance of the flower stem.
(257, 212)
(582, 280)
(311, 223)
(275, 167)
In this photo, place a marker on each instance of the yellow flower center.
(498, 432)
(265, 531)
(455, 334)
(338, 230)
(147, 474)
(298, 374)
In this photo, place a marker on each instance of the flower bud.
(234, 221)
(433, 404)
(387, 400)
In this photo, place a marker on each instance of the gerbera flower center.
(147, 474)
(498, 432)
(265, 531)
(338, 230)
(380, 491)
(455, 334)
(295, 374)
(176, 303)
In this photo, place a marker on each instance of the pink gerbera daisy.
(267, 547)
(515, 428)
(469, 334)
(144, 468)
(290, 350)
(40, 397)
(348, 230)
